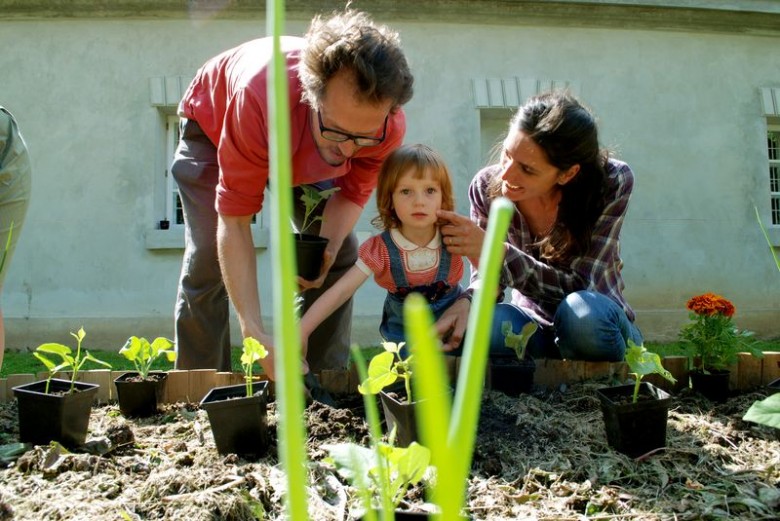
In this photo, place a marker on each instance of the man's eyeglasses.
(340, 137)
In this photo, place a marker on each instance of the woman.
(562, 259)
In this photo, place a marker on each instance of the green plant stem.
(453, 458)
(375, 431)
(637, 382)
(287, 340)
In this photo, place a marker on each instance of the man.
(348, 79)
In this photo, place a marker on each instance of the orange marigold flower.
(710, 304)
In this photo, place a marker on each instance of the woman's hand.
(451, 326)
(461, 236)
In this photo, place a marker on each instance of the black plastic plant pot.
(774, 386)
(635, 428)
(239, 423)
(713, 385)
(512, 376)
(139, 398)
(60, 415)
(399, 414)
(309, 250)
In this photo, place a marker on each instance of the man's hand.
(451, 327)
(328, 258)
(461, 236)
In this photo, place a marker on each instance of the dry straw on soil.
(541, 457)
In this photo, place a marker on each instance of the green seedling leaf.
(69, 361)
(765, 412)
(311, 197)
(641, 363)
(351, 460)
(518, 342)
(143, 354)
(55, 349)
(380, 373)
(252, 351)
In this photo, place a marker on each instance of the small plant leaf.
(380, 374)
(55, 349)
(253, 351)
(642, 362)
(765, 412)
(351, 460)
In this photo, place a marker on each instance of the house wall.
(681, 104)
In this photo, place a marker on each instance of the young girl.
(407, 256)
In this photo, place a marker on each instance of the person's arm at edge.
(239, 271)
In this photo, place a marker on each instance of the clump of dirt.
(537, 456)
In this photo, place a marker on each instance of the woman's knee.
(587, 327)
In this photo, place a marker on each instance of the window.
(773, 153)
(173, 209)
(165, 93)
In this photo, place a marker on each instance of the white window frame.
(773, 157)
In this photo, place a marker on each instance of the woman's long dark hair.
(567, 133)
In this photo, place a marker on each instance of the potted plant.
(384, 370)
(635, 415)
(513, 375)
(309, 247)
(383, 469)
(139, 391)
(714, 342)
(55, 409)
(237, 413)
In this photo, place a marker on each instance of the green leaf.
(380, 374)
(91, 358)
(132, 348)
(252, 351)
(351, 459)
(48, 363)
(55, 349)
(642, 362)
(765, 412)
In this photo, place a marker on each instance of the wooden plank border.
(190, 386)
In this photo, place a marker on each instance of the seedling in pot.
(252, 352)
(518, 342)
(386, 368)
(641, 363)
(311, 198)
(403, 466)
(69, 361)
(143, 354)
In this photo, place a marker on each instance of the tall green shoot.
(766, 236)
(451, 432)
(287, 342)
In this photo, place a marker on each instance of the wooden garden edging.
(190, 386)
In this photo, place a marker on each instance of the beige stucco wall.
(682, 108)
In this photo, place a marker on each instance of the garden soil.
(541, 456)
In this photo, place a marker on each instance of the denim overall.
(439, 294)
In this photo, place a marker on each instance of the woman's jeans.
(586, 326)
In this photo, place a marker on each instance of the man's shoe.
(315, 392)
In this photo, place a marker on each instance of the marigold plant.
(711, 334)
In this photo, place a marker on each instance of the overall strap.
(444, 264)
(396, 261)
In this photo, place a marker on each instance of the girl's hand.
(461, 236)
(451, 326)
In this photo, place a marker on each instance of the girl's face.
(416, 201)
(526, 173)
